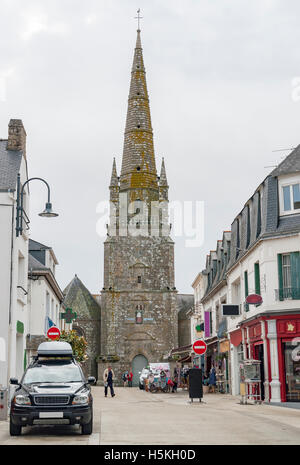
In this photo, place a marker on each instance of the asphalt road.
(137, 417)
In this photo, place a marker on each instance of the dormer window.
(291, 198)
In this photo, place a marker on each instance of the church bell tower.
(138, 300)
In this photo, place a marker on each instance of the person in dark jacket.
(108, 378)
(212, 379)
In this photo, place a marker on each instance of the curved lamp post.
(47, 213)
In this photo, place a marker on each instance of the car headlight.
(22, 400)
(82, 398)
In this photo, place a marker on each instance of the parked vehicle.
(53, 390)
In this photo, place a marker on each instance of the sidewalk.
(138, 417)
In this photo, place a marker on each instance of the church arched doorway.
(138, 363)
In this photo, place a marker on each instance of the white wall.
(266, 254)
(6, 214)
(37, 300)
(13, 272)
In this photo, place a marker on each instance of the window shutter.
(280, 277)
(246, 289)
(257, 278)
(295, 274)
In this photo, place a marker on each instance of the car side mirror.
(14, 381)
(91, 380)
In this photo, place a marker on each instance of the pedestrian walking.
(212, 379)
(108, 378)
(130, 376)
(125, 378)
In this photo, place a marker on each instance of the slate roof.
(34, 245)
(291, 164)
(79, 298)
(258, 219)
(10, 162)
(184, 303)
(34, 264)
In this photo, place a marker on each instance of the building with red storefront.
(261, 255)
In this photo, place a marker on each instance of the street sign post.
(53, 333)
(199, 347)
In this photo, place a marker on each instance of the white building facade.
(45, 298)
(261, 256)
(14, 254)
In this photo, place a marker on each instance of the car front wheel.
(87, 428)
(14, 430)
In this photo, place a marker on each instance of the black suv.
(53, 390)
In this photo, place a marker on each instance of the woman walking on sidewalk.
(108, 378)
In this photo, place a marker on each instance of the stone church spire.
(114, 184)
(163, 183)
(138, 163)
(163, 177)
(114, 177)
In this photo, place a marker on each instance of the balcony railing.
(285, 293)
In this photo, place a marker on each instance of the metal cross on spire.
(138, 17)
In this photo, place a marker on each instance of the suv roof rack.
(55, 349)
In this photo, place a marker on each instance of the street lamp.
(47, 213)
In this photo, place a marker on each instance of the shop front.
(211, 354)
(237, 357)
(256, 348)
(274, 340)
(222, 366)
(288, 331)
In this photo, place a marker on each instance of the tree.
(78, 343)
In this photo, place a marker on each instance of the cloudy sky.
(222, 78)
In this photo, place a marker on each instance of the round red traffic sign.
(53, 333)
(254, 299)
(199, 347)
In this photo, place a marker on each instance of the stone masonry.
(138, 303)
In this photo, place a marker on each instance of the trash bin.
(195, 384)
(3, 403)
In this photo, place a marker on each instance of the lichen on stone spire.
(138, 163)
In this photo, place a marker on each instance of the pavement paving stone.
(135, 417)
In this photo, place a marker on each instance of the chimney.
(16, 136)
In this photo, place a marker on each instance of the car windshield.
(53, 373)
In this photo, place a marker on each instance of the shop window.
(292, 371)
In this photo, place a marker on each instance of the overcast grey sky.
(219, 76)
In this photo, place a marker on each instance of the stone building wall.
(122, 338)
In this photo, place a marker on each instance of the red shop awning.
(236, 337)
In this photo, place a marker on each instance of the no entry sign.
(53, 333)
(199, 347)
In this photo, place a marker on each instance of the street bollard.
(243, 393)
